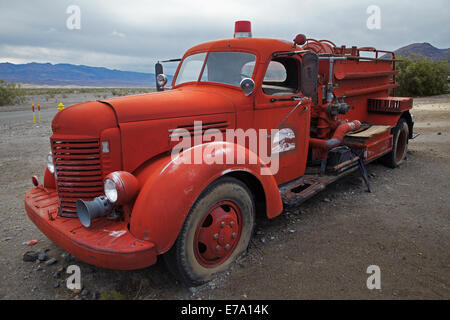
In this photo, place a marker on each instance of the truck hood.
(87, 119)
(180, 102)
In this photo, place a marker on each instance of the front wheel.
(215, 233)
(400, 145)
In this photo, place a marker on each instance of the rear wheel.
(400, 145)
(215, 233)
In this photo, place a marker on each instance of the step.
(298, 191)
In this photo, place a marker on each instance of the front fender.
(171, 187)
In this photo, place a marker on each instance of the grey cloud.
(133, 35)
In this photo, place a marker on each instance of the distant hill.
(424, 49)
(69, 74)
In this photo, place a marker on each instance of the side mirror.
(247, 85)
(161, 80)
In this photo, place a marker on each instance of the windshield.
(221, 67)
(191, 68)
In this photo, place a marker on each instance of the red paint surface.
(107, 244)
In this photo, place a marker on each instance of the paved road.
(25, 115)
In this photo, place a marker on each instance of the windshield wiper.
(171, 60)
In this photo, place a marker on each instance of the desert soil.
(320, 250)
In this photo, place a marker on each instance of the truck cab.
(275, 76)
(250, 126)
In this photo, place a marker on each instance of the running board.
(298, 191)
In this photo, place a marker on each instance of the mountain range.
(425, 49)
(69, 74)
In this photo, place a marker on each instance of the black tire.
(400, 145)
(183, 258)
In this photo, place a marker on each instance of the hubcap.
(218, 233)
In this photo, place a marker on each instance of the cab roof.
(260, 46)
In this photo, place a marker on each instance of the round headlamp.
(120, 187)
(50, 165)
(110, 190)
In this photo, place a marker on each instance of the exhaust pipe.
(337, 138)
(323, 146)
(89, 210)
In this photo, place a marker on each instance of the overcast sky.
(133, 35)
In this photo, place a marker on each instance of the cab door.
(280, 104)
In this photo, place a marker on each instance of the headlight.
(161, 79)
(50, 165)
(110, 190)
(121, 187)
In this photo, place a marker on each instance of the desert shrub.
(114, 295)
(421, 76)
(10, 93)
(129, 91)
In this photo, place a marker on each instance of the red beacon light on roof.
(242, 29)
(300, 39)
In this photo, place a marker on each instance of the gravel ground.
(320, 250)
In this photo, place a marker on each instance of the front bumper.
(107, 244)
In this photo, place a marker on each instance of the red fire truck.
(115, 196)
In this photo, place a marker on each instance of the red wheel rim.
(218, 233)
